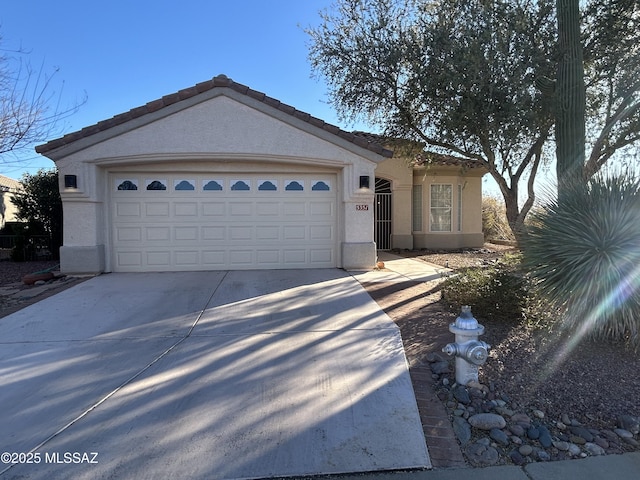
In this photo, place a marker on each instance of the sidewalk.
(619, 467)
(401, 269)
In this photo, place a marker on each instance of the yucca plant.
(584, 253)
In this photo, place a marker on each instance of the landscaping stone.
(521, 419)
(582, 432)
(627, 422)
(574, 449)
(517, 458)
(593, 449)
(526, 450)
(440, 368)
(462, 430)
(481, 428)
(481, 455)
(461, 394)
(577, 440)
(499, 436)
(543, 455)
(545, 437)
(622, 433)
(487, 421)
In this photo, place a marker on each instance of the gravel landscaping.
(549, 399)
(15, 295)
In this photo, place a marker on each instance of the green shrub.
(584, 254)
(497, 291)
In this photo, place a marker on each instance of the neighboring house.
(216, 176)
(8, 188)
(432, 204)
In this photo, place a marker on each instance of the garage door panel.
(321, 209)
(187, 258)
(268, 209)
(320, 255)
(241, 257)
(182, 209)
(129, 259)
(214, 233)
(213, 209)
(240, 232)
(128, 209)
(214, 258)
(186, 233)
(279, 222)
(158, 259)
(129, 234)
(295, 256)
(320, 232)
(267, 232)
(240, 208)
(265, 257)
(158, 234)
(156, 209)
(294, 209)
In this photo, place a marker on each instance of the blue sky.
(124, 53)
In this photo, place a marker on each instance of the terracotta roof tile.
(422, 158)
(217, 82)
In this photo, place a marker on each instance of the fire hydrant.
(468, 350)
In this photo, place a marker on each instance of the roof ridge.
(219, 81)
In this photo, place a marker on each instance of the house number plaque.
(362, 208)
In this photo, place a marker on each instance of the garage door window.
(212, 185)
(184, 185)
(127, 184)
(156, 184)
(294, 186)
(240, 185)
(320, 186)
(268, 186)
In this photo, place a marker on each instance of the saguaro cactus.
(570, 97)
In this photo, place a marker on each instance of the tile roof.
(421, 158)
(221, 81)
(9, 184)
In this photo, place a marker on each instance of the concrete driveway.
(206, 375)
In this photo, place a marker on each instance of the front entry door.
(382, 215)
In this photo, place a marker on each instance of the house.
(8, 188)
(216, 176)
(427, 201)
(220, 176)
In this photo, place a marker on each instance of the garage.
(189, 221)
(215, 177)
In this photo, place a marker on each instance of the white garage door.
(168, 222)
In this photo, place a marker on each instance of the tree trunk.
(570, 98)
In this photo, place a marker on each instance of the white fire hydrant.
(468, 350)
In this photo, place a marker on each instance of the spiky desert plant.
(585, 254)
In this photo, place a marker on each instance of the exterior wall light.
(71, 181)
(364, 181)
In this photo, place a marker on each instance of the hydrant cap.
(466, 321)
